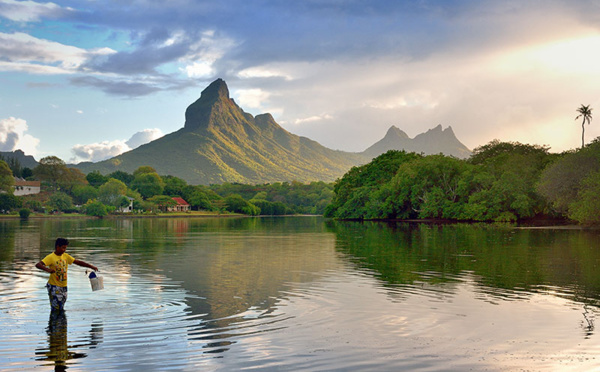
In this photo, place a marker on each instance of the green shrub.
(95, 208)
(24, 213)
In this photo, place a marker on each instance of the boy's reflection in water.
(59, 351)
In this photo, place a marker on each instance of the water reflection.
(59, 351)
(303, 293)
(588, 324)
(236, 280)
(505, 262)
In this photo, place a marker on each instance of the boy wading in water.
(56, 264)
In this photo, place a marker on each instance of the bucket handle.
(90, 272)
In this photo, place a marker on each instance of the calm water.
(302, 294)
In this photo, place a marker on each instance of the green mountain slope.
(221, 143)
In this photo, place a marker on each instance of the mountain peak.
(198, 113)
(216, 90)
(449, 131)
(438, 128)
(395, 132)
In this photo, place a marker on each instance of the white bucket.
(96, 281)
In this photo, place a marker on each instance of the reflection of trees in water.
(504, 261)
(59, 351)
(7, 243)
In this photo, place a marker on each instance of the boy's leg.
(57, 296)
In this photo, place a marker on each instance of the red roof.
(27, 183)
(180, 201)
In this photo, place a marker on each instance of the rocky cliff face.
(213, 99)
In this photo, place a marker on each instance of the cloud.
(115, 87)
(264, 72)
(205, 52)
(13, 136)
(143, 137)
(132, 88)
(252, 98)
(143, 60)
(29, 11)
(131, 73)
(313, 118)
(199, 69)
(25, 53)
(99, 151)
(194, 51)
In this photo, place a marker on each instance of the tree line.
(501, 181)
(69, 190)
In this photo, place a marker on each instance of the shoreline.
(532, 223)
(109, 217)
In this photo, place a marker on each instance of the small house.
(23, 187)
(181, 206)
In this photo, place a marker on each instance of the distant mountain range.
(434, 141)
(221, 143)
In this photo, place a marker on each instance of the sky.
(86, 80)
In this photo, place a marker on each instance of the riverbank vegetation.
(501, 181)
(67, 190)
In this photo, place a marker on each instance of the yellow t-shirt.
(59, 264)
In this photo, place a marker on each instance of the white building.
(23, 187)
(127, 209)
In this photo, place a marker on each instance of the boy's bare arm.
(85, 264)
(40, 265)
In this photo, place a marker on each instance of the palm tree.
(585, 112)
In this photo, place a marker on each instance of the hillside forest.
(501, 181)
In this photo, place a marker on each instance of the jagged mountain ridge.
(434, 141)
(219, 142)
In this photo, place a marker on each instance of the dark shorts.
(58, 296)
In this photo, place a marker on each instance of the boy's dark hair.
(60, 242)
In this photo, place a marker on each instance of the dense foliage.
(9, 202)
(498, 183)
(572, 184)
(6, 177)
(282, 197)
(66, 189)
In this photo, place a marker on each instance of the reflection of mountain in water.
(241, 273)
